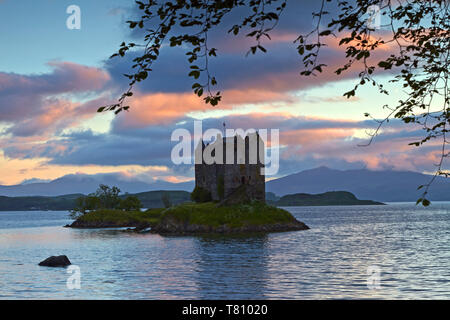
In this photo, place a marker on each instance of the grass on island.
(234, 216)
(198, 213)
(150, 216)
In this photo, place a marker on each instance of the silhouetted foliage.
(417, 30)
(108, 196)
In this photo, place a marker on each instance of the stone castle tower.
(240, 176)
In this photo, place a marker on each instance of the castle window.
(243, 180)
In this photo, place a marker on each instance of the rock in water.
(56, 261)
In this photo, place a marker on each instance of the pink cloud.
(36, 103)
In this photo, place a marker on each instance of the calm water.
(409, 244)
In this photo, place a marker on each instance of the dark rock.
(145, 230)
(142, 227)
(80, 224)
(56, 261)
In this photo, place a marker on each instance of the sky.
(53, 79)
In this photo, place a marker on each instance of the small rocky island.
(331, 198)
(228, 198)
(195, 218)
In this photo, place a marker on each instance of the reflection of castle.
(241, 174)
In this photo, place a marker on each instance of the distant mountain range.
(83, 183)
(381, 186)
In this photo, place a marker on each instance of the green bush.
(120, 216)
(200, 194)
(130, 203)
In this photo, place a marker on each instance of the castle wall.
(233, 175)
(206, 178)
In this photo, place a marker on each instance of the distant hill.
(150, 199)
(364, 184)
(83, 183)
(333, 198)
(65, 202)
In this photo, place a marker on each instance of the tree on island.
(130, 203)
(104, 198)
(108, 196)
(417, 30)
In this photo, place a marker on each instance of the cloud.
(305, 140)
(277, 70)
(34, 104)
(42, 115)
(273, 77)
(261, 80)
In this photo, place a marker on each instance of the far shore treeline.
(150, 199)
(158, 199)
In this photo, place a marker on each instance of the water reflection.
(231, 266)
(408, 243)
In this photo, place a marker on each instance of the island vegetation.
(105, 198)
(208, 217)
(105, 209)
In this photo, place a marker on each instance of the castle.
(238, 174)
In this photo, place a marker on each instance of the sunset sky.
(52, 80)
